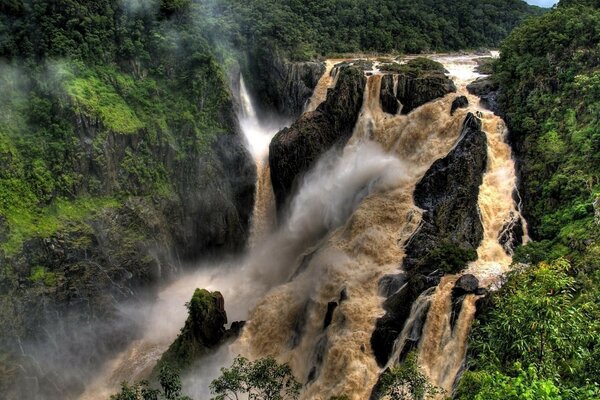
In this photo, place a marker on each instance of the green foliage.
(546, 315)
(263, 379)
(305, 29)
(40, 275)
(449, 257)
(534, 321)
(414, 66)
(496, 386)
(550, 82)
(406, 381)
(170, 383)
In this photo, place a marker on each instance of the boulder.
(467, 283)
(294, 150)
(459, 102)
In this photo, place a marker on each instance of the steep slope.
(121, 160)
(540, 331)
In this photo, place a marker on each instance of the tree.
(535, 321)
(263, 379)
(170, 383)
(407, 382)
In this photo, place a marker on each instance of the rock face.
(294, 150)
(282, 86)
(459, 102)
(416, 91)
(482, 86)
(389, 103)
(413, 90)
(66, 288)
(487, 90)
(446, 240)
(204, 331)
(451, 228)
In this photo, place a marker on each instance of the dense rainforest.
(539, 337)
(121, 161)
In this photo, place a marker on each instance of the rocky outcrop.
(203, 332)
(446, 240)
(451, 229)
(389, 102)
(282, 86)
(398, 308)
(465, 285)
(64, 288)
(487, 90)
(294, 150)
(413, 90)
(459, 102)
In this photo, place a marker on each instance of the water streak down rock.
(294, 150)
(449, 234)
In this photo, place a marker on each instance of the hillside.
(540, 332)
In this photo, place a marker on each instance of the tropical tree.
(263, 379)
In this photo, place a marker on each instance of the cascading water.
(345, 229)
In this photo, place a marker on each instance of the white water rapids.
(347, 227)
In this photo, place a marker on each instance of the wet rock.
(459, 102)
(390, 284)
(203, 332)
(389, 102)
(299, 324)
(511, 234)
(294, 150)
(490, 102)
(482, 86)
(414, 91)
(398, 307)
(446, 240)
(467, 283)
(331, 306)
(451, 228)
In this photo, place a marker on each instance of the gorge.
(335, 195)
(342, 239)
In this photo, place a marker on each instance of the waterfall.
(344, 230)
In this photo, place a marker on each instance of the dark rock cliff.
(282, 87)
(61, 298)
(447, 238)
(294, 150)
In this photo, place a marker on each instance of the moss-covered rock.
(203, 332)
